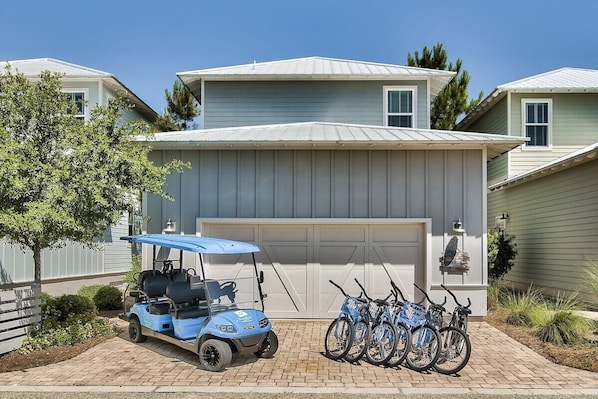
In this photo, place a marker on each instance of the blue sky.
(145, 42)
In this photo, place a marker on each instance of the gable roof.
(32, 68)
(578, 157)
(316, 68)
(563, 80)
(321, 135)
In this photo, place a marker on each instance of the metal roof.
(320, 135)
(563, 80)
(578, 157)
(316, 68)
(32, 68)
(202, 245)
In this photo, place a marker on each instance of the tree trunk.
(37, 261)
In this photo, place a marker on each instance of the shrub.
(519, 306)
(560, 327)
(133, 274)
(495, 292)
(89, 291)
(67, 309)
(39, 339)
(591, 276)
(501, 254)
(108, 298)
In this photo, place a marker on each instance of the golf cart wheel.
(215, 355)
(135, 330)
(268, 347)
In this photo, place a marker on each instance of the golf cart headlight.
(227, 328)
(264, 322)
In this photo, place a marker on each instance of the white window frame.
(85, 115)
(524, 103)
(413, 113)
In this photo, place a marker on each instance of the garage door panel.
(398, 235)
(335, 234)
(402, 275)
(286, 287)
(329, 297)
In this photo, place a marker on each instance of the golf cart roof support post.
(181, 260)
(259, 284)
(153, 257)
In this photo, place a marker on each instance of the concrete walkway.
(498, 365)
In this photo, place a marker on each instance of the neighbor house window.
(79, 98)
(399, 106)
(536, 122)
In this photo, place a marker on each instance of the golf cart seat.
(186, 301)
(154, 287)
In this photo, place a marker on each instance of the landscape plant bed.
(584, 357)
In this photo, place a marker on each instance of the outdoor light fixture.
(170, 227)
(458, 226)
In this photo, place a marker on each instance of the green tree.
(453, 100)
(181, 109)
(64, 178)
(501, 254)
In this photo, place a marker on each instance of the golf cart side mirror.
(261, 277)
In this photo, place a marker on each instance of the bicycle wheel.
(338, 339)
(383, 342)
(425, 348)
(455, 350)
(361, 333)
(403, 345)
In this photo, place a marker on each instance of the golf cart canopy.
(201, 245)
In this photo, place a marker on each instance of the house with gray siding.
(87, 87)
(331, 168)
(544, 192)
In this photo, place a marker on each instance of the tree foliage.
(501, 254)
(64, 178)
(181, 109)
(453, 100)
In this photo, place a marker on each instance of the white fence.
(20, 310)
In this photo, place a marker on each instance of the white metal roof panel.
(317, 68)
(575, 158)
(322, 135)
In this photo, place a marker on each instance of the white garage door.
(299, 259)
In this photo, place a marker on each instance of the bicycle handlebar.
(339, 287)
(396, 289)
(428, 298)
(363, 290)
(455, 298)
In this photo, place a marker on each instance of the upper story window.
(536, 122)
(399, 106)
(79, 98)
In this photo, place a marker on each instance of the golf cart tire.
(268, 347)
(215, 355)
(135, 333)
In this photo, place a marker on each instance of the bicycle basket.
(413, 314)
(351, 306)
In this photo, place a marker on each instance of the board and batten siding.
(437, 184)
(229, 104)
(555, 223)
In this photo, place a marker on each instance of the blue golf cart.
(214, 318)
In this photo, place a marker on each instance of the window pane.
(399, 120)
(537, 135)
(393, 101)
(542, 113)
(405, 101)
(530, 113)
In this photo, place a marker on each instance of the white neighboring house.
(64, 269)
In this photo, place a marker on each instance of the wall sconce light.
(504, 216)
(458, 226)
(170, 227)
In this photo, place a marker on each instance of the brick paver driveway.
(498, 364)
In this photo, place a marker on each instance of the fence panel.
(20, 310)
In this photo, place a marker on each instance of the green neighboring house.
(546, 192)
